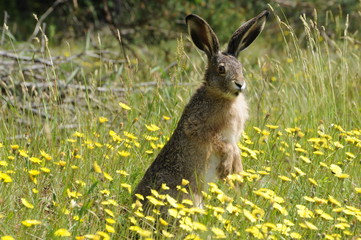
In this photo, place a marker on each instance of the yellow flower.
(271, 126)
(97, 168)
(338, 144)
(124, 153)
(322, 164)
(334, 201)
(172, 201)
(122, 172)
(78, 134)
(45, 155)
(249, 215)
(107, 176)
(173, 212)
(139, 196)
(342, 226)
(308, 225)
(295, 235)
(34, 172)
(163, 222)
(288, 222)
(109, 228)
(320, 153)
(14, 147)
(258, 130)
(305, 159)
(62, 232)
(342, 176)
(323, 214)
(5, 178)
(313, 181)
(299, 171)
(309, 199)
(7, 237)
(199, 226)
(281, 209)
(335, 169)
(155, 201)
(109, 212)
(255, 232)
(3, 163)
(284, 178)
(166, 117)
(60, 163)
(110, 202)
(35, 160)
(218, 232)
(338, 171)
(261, 172)
(124, 106)
(152, 127)
(45, 170)
(140, 231)
(129, 135)
(103, 119)
(192, 237)
(184, 182)
(164, 186)
(320, 200)
(181, 189)
(304, 212)
(167, 234)
(26, 203)
(110, 220)
(23, 153)
(358, 190)
(30, 222)
(104, 235)
(350, 155)
(301, 150)
(127, 186)
(73, 194)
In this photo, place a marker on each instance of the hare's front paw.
(237, 162)
(224, 168)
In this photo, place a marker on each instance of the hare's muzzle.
(240, 87)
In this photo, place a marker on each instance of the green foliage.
(154, 21)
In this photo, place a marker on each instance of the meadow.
(74, 147)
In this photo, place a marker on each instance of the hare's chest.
(230, 135)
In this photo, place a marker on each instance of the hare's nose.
(241, 87)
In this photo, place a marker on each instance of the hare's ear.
(246, 34)
(202, 35)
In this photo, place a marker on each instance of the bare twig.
(62, 84)
(44, 16)
(6, 16)
(24, 58)
(117, 34)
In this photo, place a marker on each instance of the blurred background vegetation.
(154, 21)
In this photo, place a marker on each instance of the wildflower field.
(72, 151)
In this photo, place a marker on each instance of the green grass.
(307, 86)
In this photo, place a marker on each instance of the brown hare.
(204, 147)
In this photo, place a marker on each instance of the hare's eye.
(221, 69)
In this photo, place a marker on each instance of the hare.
(204, 147)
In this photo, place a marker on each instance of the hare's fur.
(204, 147)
